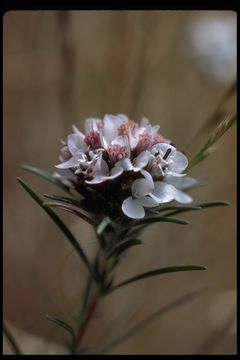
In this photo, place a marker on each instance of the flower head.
(130, 164)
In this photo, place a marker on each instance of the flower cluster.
(143, 166)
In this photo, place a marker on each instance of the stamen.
(167, 153)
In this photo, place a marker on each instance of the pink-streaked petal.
(141, 160)
(75, 143)
(163, 192)
(147, 201)
(132, 208)
(125, 164)
(182, 198)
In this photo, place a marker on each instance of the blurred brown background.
(61, 67)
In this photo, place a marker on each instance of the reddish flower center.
(93, 140)
(117, 152)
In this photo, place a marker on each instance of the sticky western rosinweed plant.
(120, 176)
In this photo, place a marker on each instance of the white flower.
(134, 205)
(137, 164)
(149, 193)
(100, 172)
(116, 145)
(76, 148)
(166, 160)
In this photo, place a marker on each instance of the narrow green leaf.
(64, 199)
(160, 219)
(207, 147)
(122, 246)
(152, 317)
(11, 340)
(214, 117)
(158, 272)
(59, 223)
(103, 225)
(201, 206)
(46, 175)
(179, 207)
(62, 324)
(214, 204)
(69, 209)
(85, 297)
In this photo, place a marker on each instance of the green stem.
(88, 315)
(88, 306)
(11, 340)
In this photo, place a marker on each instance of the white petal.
(163, 192)
(176, 174)
(76, 131)
(132, 208)
(179, 162)
(154, 130)
(183, 198)
(121, 141)
(103, 141)
(99, 178)
(115, 172)
(101, 167)
(110, 127)
(147, 201)
(123, 117)
(163, 148)
(91, 124)
(144, 122)
(71, 163)
(133, 138)
(141, 187)
(148, 177)
(182, 183)
(75, 143)
(141, 160)
(65, 173)
(125, 164)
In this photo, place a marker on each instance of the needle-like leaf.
(161, 271)
(207, 147)
(11, 340)
(62, 324)
(156, 219)
(103, 225)
(47, 176)
(71, 210)
(142, 324)
(59, 223)
(122, 246)
(64, 199)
